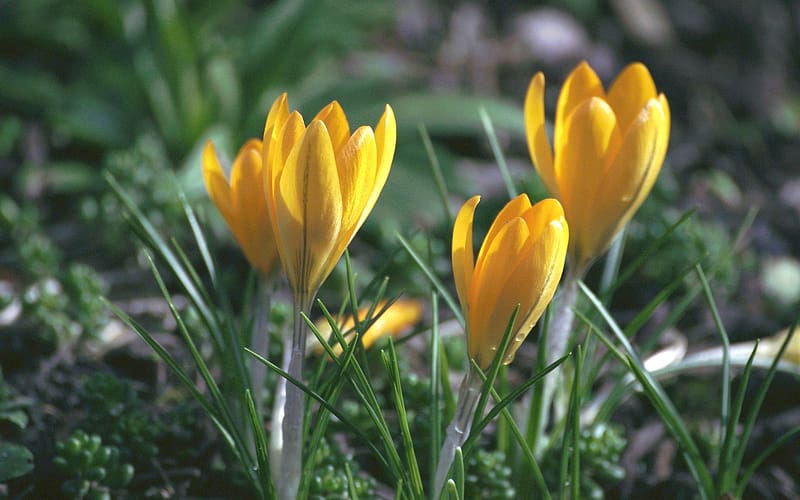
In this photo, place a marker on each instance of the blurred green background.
(136, 87)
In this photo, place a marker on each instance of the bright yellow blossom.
(241, 202)
(608, 150)
(321, 183)
(520, 262)
(399, 317)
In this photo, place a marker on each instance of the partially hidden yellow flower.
(398, 318)
(519, 263)
(321, 183)
(771, 346)
(241, 202)
(608, 150)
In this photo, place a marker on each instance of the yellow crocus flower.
(608, 150)
(321, 183)
(399, 317)
(241, 202)
(520, 262)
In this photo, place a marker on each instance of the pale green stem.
(557, 339)
(458, 430)
(278, 409)
(291, 428)
(260, 340)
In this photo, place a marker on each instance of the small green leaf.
(15, 461)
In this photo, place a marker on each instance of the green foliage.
(12, 409)
(332, 481)
(695, 239)
(15, 461)
(93, 470)
(143, 168)
(416, 393)
(115, 413)
(488, 475)
(601, 446)
(62, 301)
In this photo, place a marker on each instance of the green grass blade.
(322, 401)
(502, 403)
(726, 357)
(660, 400)
(262, 448)
(438, 178)
(216, 393)
(393, 369)
(188, 383)
(436, 422)
(351, 482)
(363, 390)
(727, 477)
(153, 240)
(460, 472)
(494, 368)
(645, 255)
(488, 127)
(612, 263)
(755, 406)
(751, 469)
(197, 232)
(673, 422)
(571, 434)
(520, 438)
(437, 284)
(537, 396)
(444, 382)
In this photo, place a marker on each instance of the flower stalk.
(458, 430)
(557, 340)
(293, 405)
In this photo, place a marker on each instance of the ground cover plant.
(308, 249)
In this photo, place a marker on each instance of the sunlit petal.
(309, 209)
(590, 134)
(462, 254)
(581, 85)
(216, 183)
(630, 92)
(336, 121)
(538, 143)
(631, 176)
(356, 161)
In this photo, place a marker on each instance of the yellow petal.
(630, 92)
(254, 228)
(309, 210)
(400, 316)
(336, 121)
(282, 143)
(538, 273)
(356, 161)
(216, 183)
(541, 214)
(581, 85)
(630, 177)
(278, 113)
(385, 140)
(663, 142)
(538, 144)
(491, 299)
(515, 208)
(590, 135)
(462, 256)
